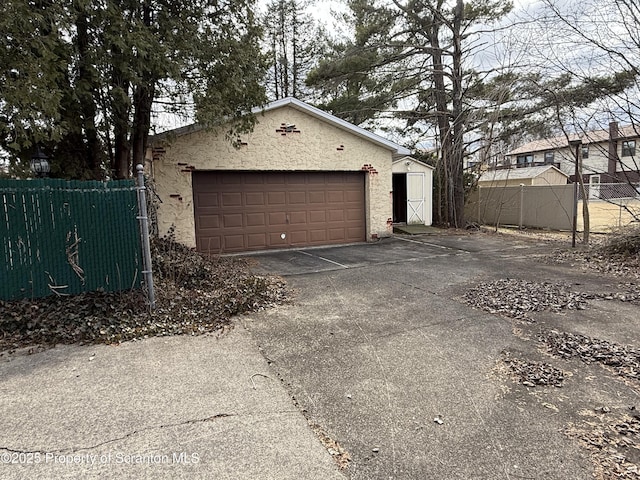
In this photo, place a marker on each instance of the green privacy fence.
(65, 237)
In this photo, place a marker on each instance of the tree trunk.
(120, 110)
(294, 52)
(586, 224)
(456, 163)
(442, 116)
(143, 96)
(86, 89)
(142, 101)
(284, 67)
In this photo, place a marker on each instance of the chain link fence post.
(144, 233)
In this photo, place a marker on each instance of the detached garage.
(303, 177)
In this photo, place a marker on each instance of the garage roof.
(310, 110)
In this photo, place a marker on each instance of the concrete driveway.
(376, 353)
(378, 350)
(162, 408)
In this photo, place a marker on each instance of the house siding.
(596, 163)
(315, 146)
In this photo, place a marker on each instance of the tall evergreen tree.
(295, 42)
(82, 78)
(413, 57)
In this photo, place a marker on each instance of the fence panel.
(66, 237)
(548, 206)
(611, 191)
(551, 207)
(544, 206)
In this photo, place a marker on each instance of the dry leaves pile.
(515, 298)
(618, 254)
(531, 374)
(195, 295)
(614, 445)
(623, 359)
(599, 260)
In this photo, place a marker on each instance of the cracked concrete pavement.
(174, 407)
(377, 345)
(374, 347)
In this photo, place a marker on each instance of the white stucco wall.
(319, 146)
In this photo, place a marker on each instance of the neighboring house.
(303, 177)
(539, 175)
(607, 156)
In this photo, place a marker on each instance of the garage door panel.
(299, 237)
(351, 197)
(353, 214)
(334, 196)
(276, 198)
(255, 179)
(319, 179)
(256, 240)
(277, 218)
(207, 199)
(297, 178)
(209, 221)
(276, 240)
(297, 218)
(232, 220)
(317, 216)
(209, 244)
(233, 242)
(239, 211)
(230, 180)
(254, 198)
(317, 236)
(255, 219)
(299, 198)
(275, 178)
(231, 199)
(353, 232)
(336, 215)
(336, 233)
(317, 197)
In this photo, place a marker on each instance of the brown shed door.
(241, 211)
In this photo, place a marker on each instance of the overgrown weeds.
(195, 295)
(623, 242)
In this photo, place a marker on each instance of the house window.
(585, 151)
(548, 157)
(525, 160)
(629, 148)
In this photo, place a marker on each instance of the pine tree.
(412, 57)
(295, 42)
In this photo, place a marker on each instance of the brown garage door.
(241, 211)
